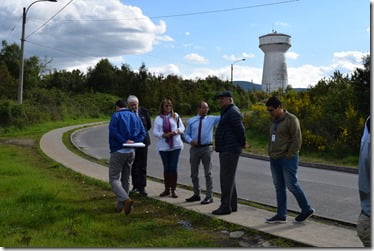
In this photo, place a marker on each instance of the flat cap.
(224, 94)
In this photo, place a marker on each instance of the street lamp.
(21, 66)
(232, 67)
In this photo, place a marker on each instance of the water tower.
(274, 74)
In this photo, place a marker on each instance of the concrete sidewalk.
(310, 232)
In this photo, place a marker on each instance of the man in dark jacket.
(229, 142)
(139, 167)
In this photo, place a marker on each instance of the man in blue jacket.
(124, 127)
(229, 141)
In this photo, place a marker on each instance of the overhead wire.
(183, 14)
(45, 23)
(151, 17)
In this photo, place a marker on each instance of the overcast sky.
(194, 39)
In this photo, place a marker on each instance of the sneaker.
(276, 219)
(134, 190)
(303, 216)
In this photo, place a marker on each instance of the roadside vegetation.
(331, 113)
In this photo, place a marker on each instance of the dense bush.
(54, 105)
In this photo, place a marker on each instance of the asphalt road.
(333, 194)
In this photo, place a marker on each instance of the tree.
(10, 55)
(361, 87)
(8, 85)
(102, 78)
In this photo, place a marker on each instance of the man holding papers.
(124, 128)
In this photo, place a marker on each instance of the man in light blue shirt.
(199, 134)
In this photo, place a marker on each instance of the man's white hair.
(132, 98)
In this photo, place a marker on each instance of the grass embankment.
(44, 204)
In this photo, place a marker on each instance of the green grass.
(43, 204)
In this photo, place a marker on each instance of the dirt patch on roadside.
(19, 141)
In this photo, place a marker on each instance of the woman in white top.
(168, 127)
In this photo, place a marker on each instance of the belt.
(203, 145)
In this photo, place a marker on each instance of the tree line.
(331, 113)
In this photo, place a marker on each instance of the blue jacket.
(124, 125)
(230, 133)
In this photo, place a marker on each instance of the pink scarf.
(167, 128)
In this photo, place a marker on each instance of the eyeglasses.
(167, 105)
(270, 110)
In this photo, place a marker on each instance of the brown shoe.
(127, 205)
(166, 192)
(173, 194)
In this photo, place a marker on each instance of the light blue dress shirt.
(208, 124)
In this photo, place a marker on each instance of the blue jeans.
(170, 160)
(284, 175)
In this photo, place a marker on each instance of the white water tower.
(274, 74)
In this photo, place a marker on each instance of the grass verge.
(44, 204)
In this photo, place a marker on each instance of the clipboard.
(134, 145)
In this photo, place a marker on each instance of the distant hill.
(249, 86)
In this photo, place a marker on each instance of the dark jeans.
(170, 160)
(139, 168)
(228, 164)
(284, 175)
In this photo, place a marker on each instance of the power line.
(45, 23)
(184, 14)
(14, 27)
(59, 50)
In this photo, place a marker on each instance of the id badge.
(273, 138)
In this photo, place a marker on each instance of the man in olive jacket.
(229, 142)
(284, 145)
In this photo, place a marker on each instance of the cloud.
(291, 55)
(348, 60)
(170, 69)
(281, 24)
(243, 73)
(306, 75)
(187, 33)
(244, 55)
(196, 58)
(84, 31)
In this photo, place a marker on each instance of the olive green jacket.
(287, 140)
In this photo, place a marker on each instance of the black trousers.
(139, 168)
(228, 164)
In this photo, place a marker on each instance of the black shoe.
(193, 198)
(207, 200)
(234, 209)
(303, 216)
(143, 192)
(276, 219)
(134, 190)
(220, 211)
